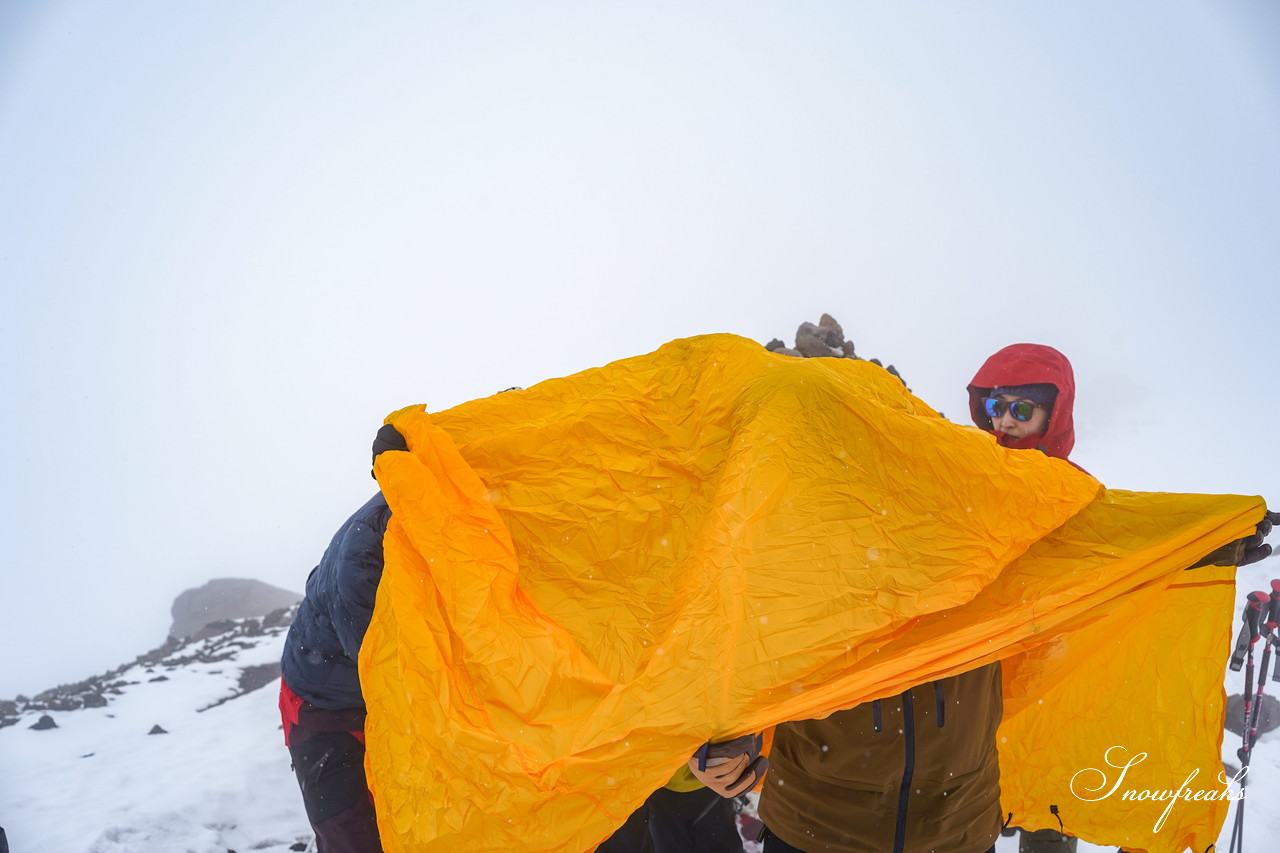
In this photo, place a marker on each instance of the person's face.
(1007, 424)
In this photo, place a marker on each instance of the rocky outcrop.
(824, 340)
(225, 599)
(221, 643)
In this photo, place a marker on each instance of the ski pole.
(1269, 618)
(1272, 635)
(1257, 608)
(1249, 630)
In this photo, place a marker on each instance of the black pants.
(676, 822)
(330, 770)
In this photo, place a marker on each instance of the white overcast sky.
(233, 236)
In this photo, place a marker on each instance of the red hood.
(1023, 364)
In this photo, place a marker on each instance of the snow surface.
(220, 779)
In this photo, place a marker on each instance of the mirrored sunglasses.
(1022, 410)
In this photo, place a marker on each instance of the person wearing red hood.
(1025, 394)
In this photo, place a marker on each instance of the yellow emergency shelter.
(587, 579)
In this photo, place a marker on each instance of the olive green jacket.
(913, 773)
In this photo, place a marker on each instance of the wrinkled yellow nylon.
(587, 579)
(1146, 679)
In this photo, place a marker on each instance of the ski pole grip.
(1256, 602)
(1257, 609)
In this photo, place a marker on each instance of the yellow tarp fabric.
(587, 579)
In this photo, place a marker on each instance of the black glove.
(1255, 548)
(1242, 552)
(388, 438)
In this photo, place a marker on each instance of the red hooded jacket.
(1024, 364)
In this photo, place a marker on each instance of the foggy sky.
(233, 237)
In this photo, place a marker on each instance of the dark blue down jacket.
(320, 651)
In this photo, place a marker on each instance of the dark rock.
(834, 334)
(157, 655)
(279, 617)
(44, 723)
(95, 700)
(226, 598)
(157, 730)
(301, 845)
(63, 690)
(253, 677)
(811, 341)
(213, 629)
(158, 678)
(824, 340)
(1268, 714)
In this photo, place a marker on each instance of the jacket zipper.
(908, 768)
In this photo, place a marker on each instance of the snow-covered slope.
(217, 780)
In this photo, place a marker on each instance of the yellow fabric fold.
(587, 579)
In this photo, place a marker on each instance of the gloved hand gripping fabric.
(1246, 551)
(388, 438)
(730, 767)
